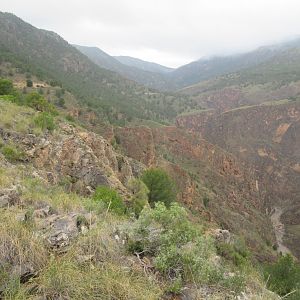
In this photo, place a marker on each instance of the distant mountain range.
(51, 58)
(143, 65)
(167, 79)
(122, 66)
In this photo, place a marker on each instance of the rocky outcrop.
(83, 158)
(222, 236)
(60, 230)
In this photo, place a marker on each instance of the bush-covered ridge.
(83, 247)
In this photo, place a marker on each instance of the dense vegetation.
(110, 199)
(6, 87)
(140, 196)
(161, 187)
(12, 153)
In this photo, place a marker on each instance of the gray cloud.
(170, 32)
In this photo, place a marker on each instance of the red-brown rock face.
(266, 137)
(138, 143)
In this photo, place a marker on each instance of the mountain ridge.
(196, 71)
(142, 64)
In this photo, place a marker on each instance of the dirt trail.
(279, 229)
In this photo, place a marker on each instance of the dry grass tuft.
(19, 247)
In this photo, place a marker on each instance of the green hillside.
(52, 59)
(134, 71)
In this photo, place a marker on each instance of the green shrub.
(29, 83)
(45, 121)
(180, 252)
(60, 102)
(161, 187)
(283, 277)
(237, 251)
(12, 153)
(139, 196)
(110, 199)
(206, 201)
(39, 103)
(6, 87)
(176, 286)
(10, 98)
(54, 83)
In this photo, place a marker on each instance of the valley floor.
(279, 229)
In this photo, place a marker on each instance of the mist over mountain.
(190, 74)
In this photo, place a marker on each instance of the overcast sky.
(169, 32)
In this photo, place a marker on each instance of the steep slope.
(266, 137)
(237, 170)
(207, 68)
(47, 55)
(101, 58)
(264, 61)
(151, 79)
(212, 183)
(143, 65)
(275, 79)
(58, 239)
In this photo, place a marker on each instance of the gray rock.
(58, 240)
(222, 236)
(4, 201)
(85, 258)
(9, 197)
(63, 230)
(43, 212)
